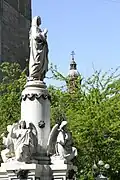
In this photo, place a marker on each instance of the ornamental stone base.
(22, 171)
(35, 109)
(62, 171)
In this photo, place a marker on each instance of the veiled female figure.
(38, 63)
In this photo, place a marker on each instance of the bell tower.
(73, 73)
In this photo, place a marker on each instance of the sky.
(89, 27)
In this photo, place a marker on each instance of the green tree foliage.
(11, 85)
(92, 111)
(93, 114)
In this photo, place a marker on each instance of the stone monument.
(33, 152)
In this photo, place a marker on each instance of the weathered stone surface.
(15, 20)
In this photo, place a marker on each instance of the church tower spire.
(73, 72)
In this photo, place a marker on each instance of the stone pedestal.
(35, 109)
(17, 171)
(3, 174)
(62, 171)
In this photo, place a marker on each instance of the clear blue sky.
(89, 27)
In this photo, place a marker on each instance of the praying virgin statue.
(38, 63)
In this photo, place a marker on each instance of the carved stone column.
(35, 109)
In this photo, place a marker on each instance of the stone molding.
(33, 96)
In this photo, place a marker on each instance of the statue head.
(63, 125)
(23, 125)
(36, 21)
(9, 127)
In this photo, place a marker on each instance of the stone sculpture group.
(30, 140)
(21, 143)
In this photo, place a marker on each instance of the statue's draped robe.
(25, 144)
(64, 143)
(38, 63)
